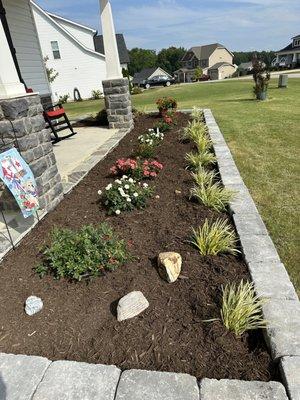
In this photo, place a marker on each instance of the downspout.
(10, 42)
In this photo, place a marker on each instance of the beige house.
(215, 60)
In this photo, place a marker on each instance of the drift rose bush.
(136, 168)
(125, 194)
(166, 103)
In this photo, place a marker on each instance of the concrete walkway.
(71, 152)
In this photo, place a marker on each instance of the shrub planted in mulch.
(79, 322)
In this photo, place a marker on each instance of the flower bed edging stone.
(268, 273)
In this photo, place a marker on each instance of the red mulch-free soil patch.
(78, 321)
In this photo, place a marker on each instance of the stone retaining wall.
(269, 275)
(22, 118)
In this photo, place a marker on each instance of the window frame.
(55, 50)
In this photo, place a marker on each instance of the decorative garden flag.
(19, 179)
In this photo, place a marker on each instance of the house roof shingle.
(122, 48)
(220, 64)
(289, 48)
(203, 52)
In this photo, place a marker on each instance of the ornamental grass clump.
(213, 196)
(125, 194)
(241, 308)
(197, 114)
(82, 254)
(193, 130)
(213, 238)
(204, 177)
(197, 160)
(203, 143)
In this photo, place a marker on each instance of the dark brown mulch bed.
(78, 320)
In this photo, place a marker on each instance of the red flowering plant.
(166, 103)
(136, 168)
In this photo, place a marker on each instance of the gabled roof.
(204, 52)
(146, 73)
(72, 22)
(220, 64)
(288, 48)
(122, 48)
(66, 32)
(246, 65)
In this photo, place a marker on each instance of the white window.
(55, 50)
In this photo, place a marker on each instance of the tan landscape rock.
(169, 266)
(131, 305)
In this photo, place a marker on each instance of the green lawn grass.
(264, 140)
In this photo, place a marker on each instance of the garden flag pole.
(113, 68)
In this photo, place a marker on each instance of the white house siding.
(78, 67)
(83, 35)
(159, 71)
(24, 36)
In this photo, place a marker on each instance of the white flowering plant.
(151, 138)
(125, 194)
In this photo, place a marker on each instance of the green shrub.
(136, 90)
(213, 238)
(101, 117)
(125, 194)
(203, 177)
(163, 126)
(63, 99)
(213, 196)
(96, 94)
(196, 160)
(146, 151)
(83, 254)
(241, 308)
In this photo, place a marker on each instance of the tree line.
(170, 59)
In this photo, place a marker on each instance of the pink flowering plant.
(125, 194)
(136, 169)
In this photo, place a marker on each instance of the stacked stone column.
(23, 118)
(118, 103)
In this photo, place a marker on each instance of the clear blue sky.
(154, 24)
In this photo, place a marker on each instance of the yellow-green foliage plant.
(213, 238)
(213, 196)
(197, 160)
(203, 143)
(193, 130)
(203, 177)
(197, 114)
(241, 308)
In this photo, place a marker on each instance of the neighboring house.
(246, 66)
(70, 50)
(147, 73)
(21, 34)
(122, 48)
(289, 57)
(214, 59)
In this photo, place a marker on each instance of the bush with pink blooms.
(137, 169)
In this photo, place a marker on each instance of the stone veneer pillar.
(118, 103)
(23, 117)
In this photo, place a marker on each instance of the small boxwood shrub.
(83, 254)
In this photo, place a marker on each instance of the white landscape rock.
(169, 266)
(33, 305)
(131, 305)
